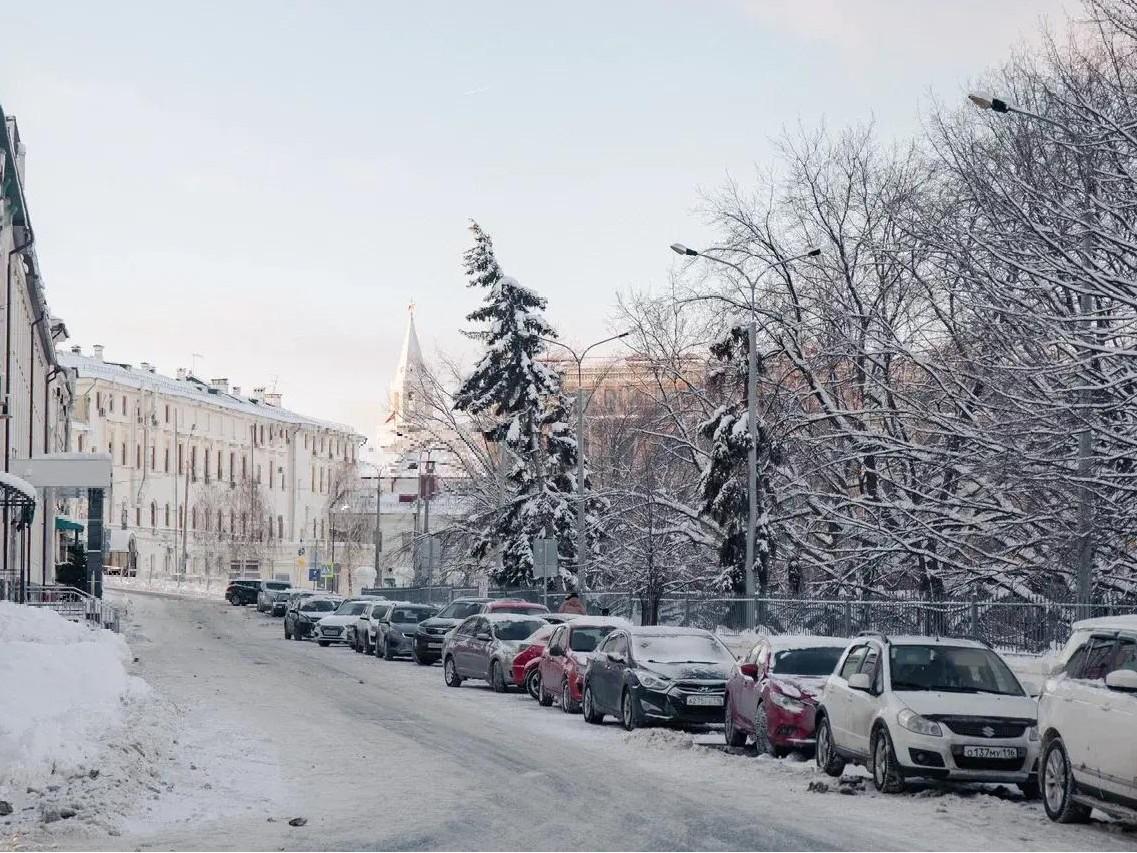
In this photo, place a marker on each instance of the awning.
(62, 522)
(18, 493)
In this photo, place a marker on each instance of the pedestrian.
(572, 604)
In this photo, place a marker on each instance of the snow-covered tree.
(528, 418)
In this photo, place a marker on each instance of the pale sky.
(269, 184)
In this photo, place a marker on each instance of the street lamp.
(1085, 550)
(581, 536)
(751, 398)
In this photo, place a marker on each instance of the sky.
(270, 184)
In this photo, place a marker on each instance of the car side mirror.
(556, 651)
(1124, 680)
(860, 681)
(484, 636)
(750, 670)
(616, 657)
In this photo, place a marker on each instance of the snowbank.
(63, 688)
(214, 590)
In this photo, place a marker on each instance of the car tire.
(731, 734)
(886, 775)
(388, 654)
(233, 600)
(828, 761)
(588, 706)
(762, 732)
(450, 673)
(497, 680)
(380, 651)
(323, 644)
(630, 717)
(543, 697)
(533, 683)
(1058, 785)
(567, 704)
(287, 633)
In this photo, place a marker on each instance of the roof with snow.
(191, 388)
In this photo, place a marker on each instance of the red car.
(525, 664)
(515, 605)
(772, 693)
(565, 657)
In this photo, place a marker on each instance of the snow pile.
(213, 589)
(65, 687)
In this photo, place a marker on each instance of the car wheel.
(591, 714)
(885, 771)
(450, 674)
(629, 713)
(533, 683)
(497, 680)
(730, 733)
(380, 650)
(1058, 786)
(567, 703)
(233, 600)
(366, 645)
(323, 644)
(287, 633)
(543, 698)
(388, 652)
(827, 758)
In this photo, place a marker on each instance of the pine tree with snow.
(724, 484)
(529, 418)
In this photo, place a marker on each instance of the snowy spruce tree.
(724, 483)
(528, 416)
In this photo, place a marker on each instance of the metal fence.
(74, 604)
(1014, 625)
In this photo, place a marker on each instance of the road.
(381, 755)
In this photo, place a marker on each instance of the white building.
(35, 393)
(210, 483)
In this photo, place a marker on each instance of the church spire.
(403, 397)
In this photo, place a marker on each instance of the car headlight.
(786, 703)
(1032, 733)
(920, 725)
(653, 682)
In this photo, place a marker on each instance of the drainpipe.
(32, 383)
(28, 240)
(55, 371)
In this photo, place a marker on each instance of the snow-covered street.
(380, 755)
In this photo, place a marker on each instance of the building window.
(166, 460)
(205, 463)
(232, 521)
(123, 454)
(153, 457)
(110, 403)
(219, 474)
(182, 516)
(244, 525)
(167, 413)
(232, 470)
(258, 473)
(98, 402)
(138, 516)
(80, 442)
(193, 519)
(181, 467)
(244, 467)
(321, 528)
(125, 408)
(138, 456)
(193, 463)
(219, 525)
(271, 478)
(153, 514)
(167, 515)
(280, 527)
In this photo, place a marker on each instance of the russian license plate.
(704, 700)
(990, 752)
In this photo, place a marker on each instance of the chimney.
(78, 350)
(145, 365)
(98, 348)
(273, 399)
(181, 374)
(220, 385)
(236, 390)
(152, 368)
(258, 393)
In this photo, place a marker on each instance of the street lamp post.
(751, 400)
(1085, 550)
(581, 498)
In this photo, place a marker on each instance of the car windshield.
(320, 604)
(411, 614)
(281, 595)
(587, 639)
(543, 633)
(515, 629)
(812, 661)
(681, 648)
(351, 608)
(460, 609)
(520, 607)
(276, 585)
(951, 669)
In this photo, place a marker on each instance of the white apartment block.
(211, 483)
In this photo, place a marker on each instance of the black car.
(658, 675)
(301, 618)
(431, 632)
(242, 592)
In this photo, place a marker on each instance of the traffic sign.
(313, 574)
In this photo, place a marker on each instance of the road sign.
(329, 571)
(545, 558)
(300, 551)
(313, 574)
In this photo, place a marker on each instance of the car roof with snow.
(600, 622)
(1107, 623)
(510, 617)
(920, 640)
(668, 631)
(803, 641)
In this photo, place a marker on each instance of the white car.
(1087, 713)
(333, 627)
(931, 708)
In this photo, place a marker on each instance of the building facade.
(210, 483)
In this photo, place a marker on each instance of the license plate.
(704, 700)
(990, 752)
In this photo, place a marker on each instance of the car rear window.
(525, 609)
(587, 639)
(351, 608)
(515, 629)
(411, 614)
(820, 660)
(460, 609)
(276, 584)
(320, 604)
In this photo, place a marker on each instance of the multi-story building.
(211, 483)
(35, 393)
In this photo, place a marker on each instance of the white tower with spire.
(404, 396)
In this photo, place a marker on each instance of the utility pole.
(185, 505)
(378, 524)
(176, 445)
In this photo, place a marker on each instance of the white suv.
(1087, 714)
(924, 707)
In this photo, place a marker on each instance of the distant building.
(211, 483)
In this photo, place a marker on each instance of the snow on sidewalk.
(78, 733)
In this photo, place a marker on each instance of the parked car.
(483, 647)
(333, 628)
(656, 674)
(772, 693)
(395, 629)
(280, 601)
(432, 632)
(526, 670)
(266, 592)
(242, 592)
(361, 634)
(927, 707)
(559, 618)
(300, 619)
(565, 658)
(516, 605)
(1087, 714)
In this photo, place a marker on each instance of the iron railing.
(74, 604)
(1034, 625)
